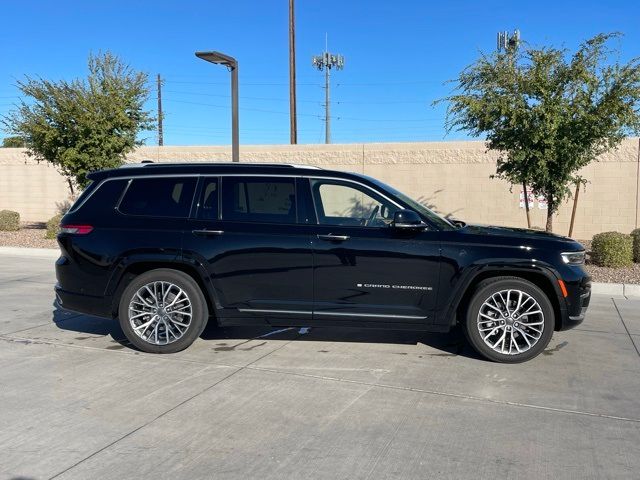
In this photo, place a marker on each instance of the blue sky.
(398, 55)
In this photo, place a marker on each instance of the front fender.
(460, 285)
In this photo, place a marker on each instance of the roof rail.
(151, 163)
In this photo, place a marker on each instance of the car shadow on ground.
(231, 338)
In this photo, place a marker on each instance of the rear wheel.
(162, 311)
(509, 320)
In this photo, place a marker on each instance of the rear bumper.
(85, 304)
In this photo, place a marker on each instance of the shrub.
(636, 245)
(53, 226)
(9, 221)
(612, 249)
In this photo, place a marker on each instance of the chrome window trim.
(199, 175)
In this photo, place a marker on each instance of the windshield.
(433, 217)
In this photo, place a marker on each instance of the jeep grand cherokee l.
(168, 247)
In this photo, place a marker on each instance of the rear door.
(364, 270)
(248, 235)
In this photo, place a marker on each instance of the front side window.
(347, 204)
(264, 200)
(159, 197)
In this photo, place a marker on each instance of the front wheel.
(509, 320)
(162, 311)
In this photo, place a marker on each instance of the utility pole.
(510, 44)
(160, 132)
(326, 62)
(292, 75)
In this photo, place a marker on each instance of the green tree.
(12, 142)
(547, 113)
(83, 125)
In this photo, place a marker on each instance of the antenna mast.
(326, 62)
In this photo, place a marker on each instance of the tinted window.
(158, 197)
(79, 201)
(105, 197)
(270, 200)
(209, 200)
(341, 203)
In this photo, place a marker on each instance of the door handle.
(334, 238)
(206, 232)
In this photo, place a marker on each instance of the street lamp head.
(218, 58)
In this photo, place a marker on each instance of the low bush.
(53, 226)
(636, 245)
(612, 249)
(9, 221)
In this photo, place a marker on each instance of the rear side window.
(209, 200)
(158, 197)
(265, 200)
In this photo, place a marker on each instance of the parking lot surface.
(77, 402)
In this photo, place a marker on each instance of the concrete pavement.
(77, 402)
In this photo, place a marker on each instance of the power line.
(279, 99)
(244, 108)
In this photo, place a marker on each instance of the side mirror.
(408, 219)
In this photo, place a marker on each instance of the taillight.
(76, 229)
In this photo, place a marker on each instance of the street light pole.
(232, 64)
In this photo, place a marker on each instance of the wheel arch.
(542, 278)
(132, 269)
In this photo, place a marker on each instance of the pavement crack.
(449, 395)
(166, 412)
(625, 327)
(43, 324)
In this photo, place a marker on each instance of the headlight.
(573, 258)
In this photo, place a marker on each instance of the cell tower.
(508, 43)
(326, 62)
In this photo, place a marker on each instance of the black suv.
(166, 247)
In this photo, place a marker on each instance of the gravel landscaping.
(611, 275)
(32, 235)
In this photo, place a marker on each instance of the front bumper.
(577, 303)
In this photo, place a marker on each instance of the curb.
(620, 289)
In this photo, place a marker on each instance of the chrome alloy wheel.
(510, 322)
(160, 312)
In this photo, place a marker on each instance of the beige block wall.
(454, 178)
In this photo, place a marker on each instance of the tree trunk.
(526, 203)
(550, 211)
(71, 187)
(575, 207)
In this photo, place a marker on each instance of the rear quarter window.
(83, 196)
(100, 199)
(158, 197)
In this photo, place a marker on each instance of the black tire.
(199, 310)
(482, 293)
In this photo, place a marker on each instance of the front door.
(365, 270)
(257, 255)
